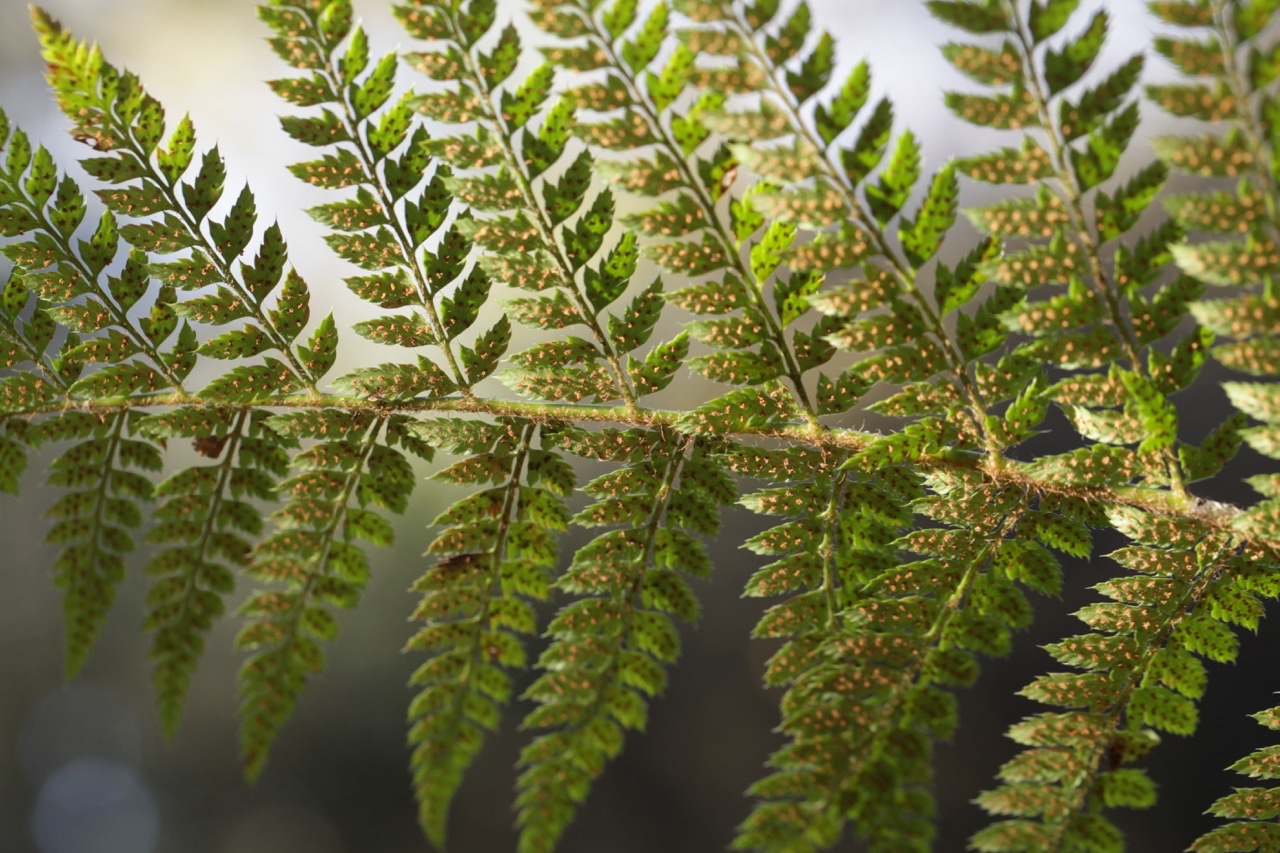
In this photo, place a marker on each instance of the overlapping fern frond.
(545, 247)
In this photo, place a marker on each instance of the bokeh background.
(83, 766)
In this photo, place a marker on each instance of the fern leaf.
(96, 519)
(724, 144)
(1130, 650)
(702, 243)
(862, 700)
(382, 150)
(204, 527)
(126, 126)
(599, 668)
(70, 274)
(311, 559)
(561, 228)
(474, 605)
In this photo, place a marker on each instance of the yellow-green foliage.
(782, 240)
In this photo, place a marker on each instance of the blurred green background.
(83, 767)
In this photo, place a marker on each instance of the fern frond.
(44, 212)
(1080, 140)
(30, 349)
(830, 546)
(1111, 313)
(1225, 50)
(673, 149)
(104, 353)
(822, 187)
(867, 683)
(722, 143)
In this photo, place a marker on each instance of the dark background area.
(84, 768)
